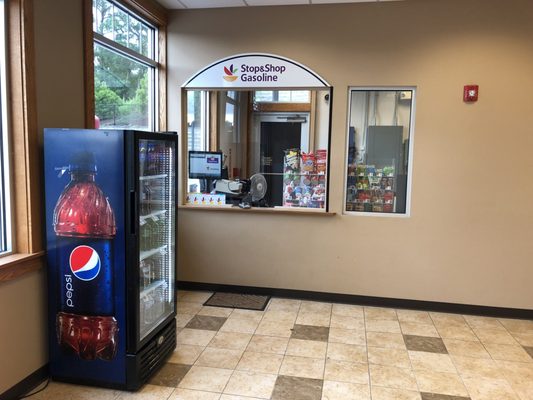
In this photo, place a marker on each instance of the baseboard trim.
(421, 305)
(27, 384)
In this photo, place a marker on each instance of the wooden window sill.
(261, 210)
(15, 265)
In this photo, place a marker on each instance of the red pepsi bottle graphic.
(85, 228)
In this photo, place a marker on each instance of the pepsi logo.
(84, 263)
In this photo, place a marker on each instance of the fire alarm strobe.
(470, 93)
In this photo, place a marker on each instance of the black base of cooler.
(141, 366)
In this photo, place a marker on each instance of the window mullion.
(110, 44)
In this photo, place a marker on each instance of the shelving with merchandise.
(304, 178)
(371, 189)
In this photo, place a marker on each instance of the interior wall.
(58, 50)
(468, 238)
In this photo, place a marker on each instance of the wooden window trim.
(28, 255)
(282, 107)
(153, 13)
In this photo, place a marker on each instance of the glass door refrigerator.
(111, 226)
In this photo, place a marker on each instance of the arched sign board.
(255, 71)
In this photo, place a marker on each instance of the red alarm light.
(470, 93)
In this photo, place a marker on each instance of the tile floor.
(303, 350)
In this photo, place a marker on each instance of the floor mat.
(234, 300)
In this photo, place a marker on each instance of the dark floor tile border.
(471, 309)
(26, 385)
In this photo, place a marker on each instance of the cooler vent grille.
(154, 353)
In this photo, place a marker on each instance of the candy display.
(370, 189)
(304, 179)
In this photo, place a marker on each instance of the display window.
(380, 139)
(255, 145)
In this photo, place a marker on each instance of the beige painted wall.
(469, 236)
(59, 83)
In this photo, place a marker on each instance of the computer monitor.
(205, 164)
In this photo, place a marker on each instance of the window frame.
(407, 213)
(153, 14)
(28, 247)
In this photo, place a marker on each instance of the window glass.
(5, 203)
(284, 146)
(379, 137)
(124, 68)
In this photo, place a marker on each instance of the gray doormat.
(234, 300)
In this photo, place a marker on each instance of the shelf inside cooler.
(149, 253)
(152, 215)
(152, 287)
(149, 177)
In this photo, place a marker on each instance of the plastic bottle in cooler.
(85, 228)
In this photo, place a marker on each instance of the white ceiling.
(184, 4)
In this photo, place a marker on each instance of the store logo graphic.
(230, 74)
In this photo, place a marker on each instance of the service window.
(379, 148)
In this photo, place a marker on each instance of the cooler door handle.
(133, 212)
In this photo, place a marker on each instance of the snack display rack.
(304, 178)
(371, 189)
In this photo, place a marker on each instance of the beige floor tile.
(342, 321)
(219, 358)
(347, 352)
(383, 393)
(392, 377)
(188, 394)
(278, 304)
(260, 362)
(348, 310)
(508, 352)
(188, 308)
(466, 348)
(215, 311)
(275, 328)
(196, 297)
(206, 378)
(147, 392)
(315, 307)
(195, 337)
(382, 325)
(432, 361)
(524, 338)
(183, 319)
(347, 336)
(241, 325)
(248, 314)
(344, 371)
(389, 356)
(313, 318)
(251, 384)
(410, 328)
(517, 325)
(446, 383)
(384, 339)
(459, 332)
(304, 367)
(447, 319)
(186, 354)
(231, 340)
(499, 336)
(489, 389)
(306, 348)
(415, 317)
(483, 322)
(469, 367)
(380, 313)
(268, 344)
(280, 316)
(344, 390)
(516, 373)
(234, 397)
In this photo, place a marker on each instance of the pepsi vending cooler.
(110, 227)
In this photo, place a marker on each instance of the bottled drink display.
(84, 224)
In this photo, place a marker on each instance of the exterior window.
(379, 141)
(5, 192)
(125, 68)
